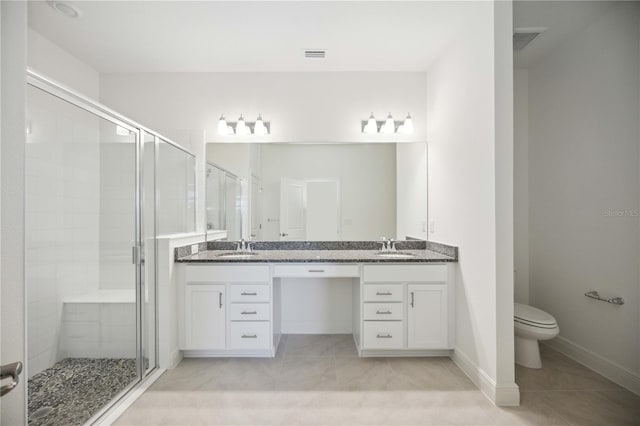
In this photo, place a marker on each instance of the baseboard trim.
(612, 371)
(501, 395)
(371, 353)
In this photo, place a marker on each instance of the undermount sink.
(237, 255)
(397, 255)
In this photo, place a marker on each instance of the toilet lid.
(531, 315)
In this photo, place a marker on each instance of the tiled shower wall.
(63, 217)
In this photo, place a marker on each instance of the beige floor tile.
(298, 387)
(309, 345)
(560, 372)
(431, 373)
(533, 410)
(344, 346)
(306, 373)
(589, 408)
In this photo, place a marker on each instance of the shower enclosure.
(94, 183)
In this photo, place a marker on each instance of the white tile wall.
(62, 218)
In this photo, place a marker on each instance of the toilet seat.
(533, 317)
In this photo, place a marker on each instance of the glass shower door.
(83, 313)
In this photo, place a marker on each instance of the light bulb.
(223, 129)
(259, 128)
(241, 127)
(389, 126)
(371, 127)
(407, 126)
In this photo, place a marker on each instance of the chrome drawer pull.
(249, 336)
(383, 294)
(249, 294)
(383, 312)
(384, 336)
(248, 313)
(316, 270)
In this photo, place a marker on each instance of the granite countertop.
(316, 256)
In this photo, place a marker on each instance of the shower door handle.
(13, 371)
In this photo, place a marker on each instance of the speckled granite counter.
(321, 252)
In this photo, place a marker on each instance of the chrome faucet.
(388, 246)
(244, 246)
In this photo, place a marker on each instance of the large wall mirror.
(317, 192)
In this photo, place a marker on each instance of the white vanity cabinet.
(407, 307)
(397, 309)
(427, 316)
(227, 311)
(205, 324)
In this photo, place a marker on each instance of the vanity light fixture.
(372, 126)
(407, 126)
(243, 127)
(223, 128)
(388, 126)
(259, 128)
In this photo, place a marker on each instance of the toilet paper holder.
(614, 300)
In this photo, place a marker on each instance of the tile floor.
(320, 380)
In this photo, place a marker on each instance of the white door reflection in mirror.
(323, 209)
(292, 210)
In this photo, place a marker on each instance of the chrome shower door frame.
(80, 101)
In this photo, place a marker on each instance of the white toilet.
(531, 324)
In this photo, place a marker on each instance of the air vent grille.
(523, 36)
(315, 53)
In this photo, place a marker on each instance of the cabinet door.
(205, 314)
(427, 316)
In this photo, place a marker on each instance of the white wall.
(521, 185)
(411, 191)
(469, 190)
(49, 59)
(367, 174)
(584, 174)
(13, 38)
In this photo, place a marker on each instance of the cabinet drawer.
(249, 335)
(383, 293)
(316, 270)
(383, 334)
(383, 311)
(248, 293)
(404, 273)
(227, 273)
(249, 312)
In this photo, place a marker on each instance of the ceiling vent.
(523, 36)
(315, 53)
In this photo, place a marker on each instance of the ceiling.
(561, 19)
(208, 36)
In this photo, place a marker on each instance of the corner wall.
(470, 135)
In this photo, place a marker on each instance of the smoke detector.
(65, 9)
(523, 36)
(315, 53)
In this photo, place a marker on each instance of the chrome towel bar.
(614, 300)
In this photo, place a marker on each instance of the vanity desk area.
(238, 303)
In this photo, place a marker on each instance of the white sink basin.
(397, 255)
(235, 255)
